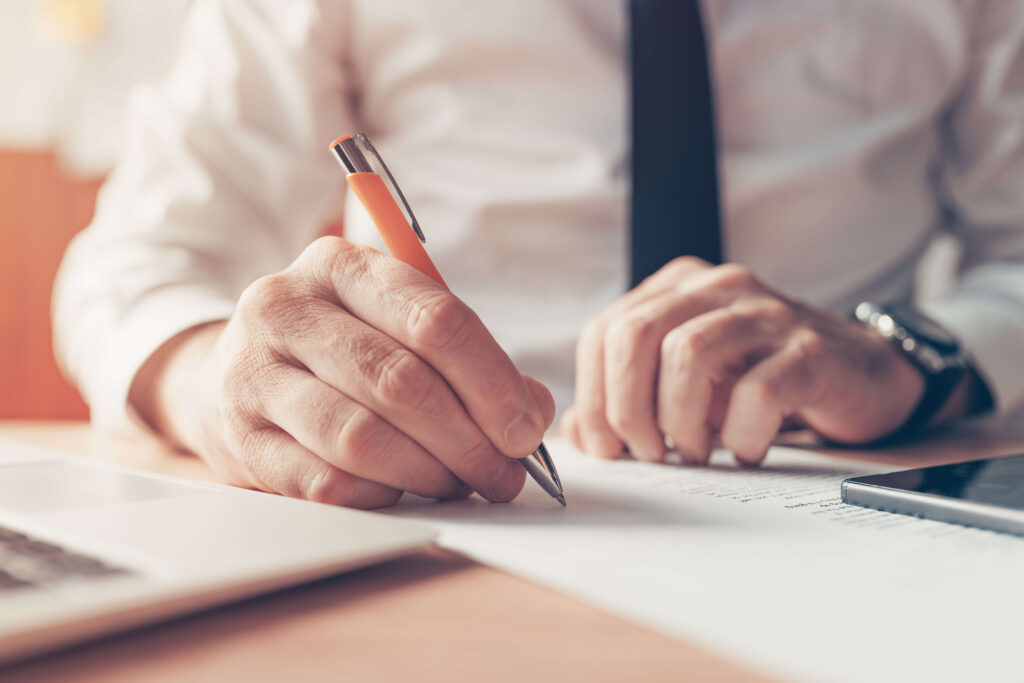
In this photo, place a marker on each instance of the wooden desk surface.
(431, 616)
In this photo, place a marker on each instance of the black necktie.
(675, 208)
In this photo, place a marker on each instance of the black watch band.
(937, 390)
(930, 348)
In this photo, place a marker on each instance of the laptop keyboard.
(26, 562)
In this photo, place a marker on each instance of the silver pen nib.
(542, 470)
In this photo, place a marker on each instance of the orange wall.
(40, 210)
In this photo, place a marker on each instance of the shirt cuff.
(154, 320)
(992, 333)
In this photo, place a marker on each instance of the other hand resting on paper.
(348, 378)
(697, 350)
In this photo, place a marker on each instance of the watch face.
(925, 328)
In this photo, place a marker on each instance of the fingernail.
(507, 482)
(523, 435)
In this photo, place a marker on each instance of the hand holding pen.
(373, 184)
(348, 378)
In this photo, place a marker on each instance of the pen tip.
(561, 499)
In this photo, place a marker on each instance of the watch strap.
(937, 390)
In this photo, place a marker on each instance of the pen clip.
(358, 155)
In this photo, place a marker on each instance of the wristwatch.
(930, 347)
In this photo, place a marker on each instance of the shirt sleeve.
(981, 177)
(225, 176)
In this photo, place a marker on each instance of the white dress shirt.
(850, 133)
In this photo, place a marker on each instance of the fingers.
(697, 359)
(672, 275)
(424, 317)
(743, 362)
(353, 438)
(351, 377)
(283, 466)
(794, 379)
(761, 401)
(684, 394)
(598, 437)
(397, 385)
(545, 401)
(632, 345)
(596, 434)
(570, 428)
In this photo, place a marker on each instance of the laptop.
(88, 549)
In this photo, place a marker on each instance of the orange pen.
(373, 184)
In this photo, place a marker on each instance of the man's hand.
(348, 378)
(696, 351)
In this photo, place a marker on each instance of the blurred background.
(66, 70)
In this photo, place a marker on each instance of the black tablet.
(981, 493)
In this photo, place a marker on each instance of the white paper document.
(765, 566)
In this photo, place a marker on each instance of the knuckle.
(237, 425)
(325, 484)
(255, 449)
(684, 346)
(773, 309)
(628, 330)
(334, 487)
(624, 420)
(250, 374)
(402, 379)
(734, 276)
(810, 345)
(267, 297)
(242, 390)
(765, 313)
(324, 416)
(440, 322)
(247, 439)
(685, 264)
(758, 394)
(323, 254)
(760, 315)
(331, 259)
(364, 437)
